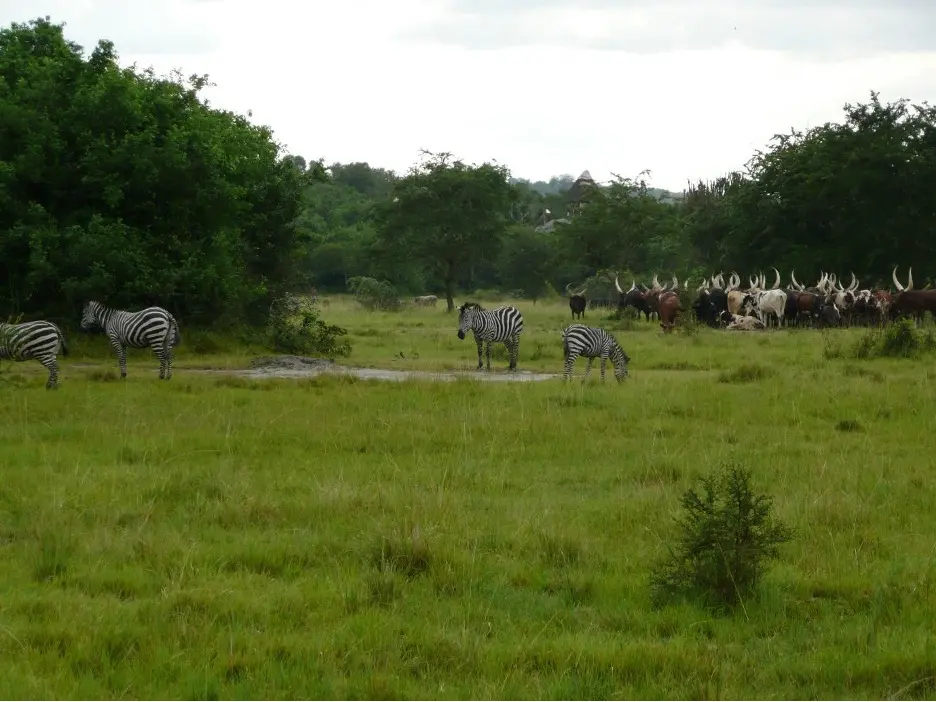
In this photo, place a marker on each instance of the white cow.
(744, 323)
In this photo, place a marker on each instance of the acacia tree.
(448, 215)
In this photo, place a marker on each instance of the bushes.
(727, 536)
(373, 294)
(295, 327)
(900, 339)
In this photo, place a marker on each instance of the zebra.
(40, 340)
(590, 342)
(153, 327)
(503, 324)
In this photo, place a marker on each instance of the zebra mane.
(468, 305)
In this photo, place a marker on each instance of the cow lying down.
(744, 323)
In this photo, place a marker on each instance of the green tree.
(447, 214)
(120, 185)
(526, 261)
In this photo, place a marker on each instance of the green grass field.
(222, 537)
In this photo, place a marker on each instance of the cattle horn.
(910, 278)
(776, 284)
(854, 284)
(656, 283)
(675, 282)
(900, 288)
(633, 286)
(618, 286)
(796, 285)
(569, 292)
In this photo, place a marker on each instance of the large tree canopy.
(126, 187)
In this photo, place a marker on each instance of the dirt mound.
(287, 362)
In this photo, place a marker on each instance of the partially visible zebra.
(503, 324)
(591, 343)
(153, 327)
(40, 340)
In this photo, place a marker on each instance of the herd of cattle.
(720, 303)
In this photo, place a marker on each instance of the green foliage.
(448, 215)
(727, 535)
(120, 185)
(295, 327)
(900, 339)
(374, 294)
(526, 261)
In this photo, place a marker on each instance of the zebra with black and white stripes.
(153, 327)
(591, 343)
(39, 340)
(500, 325)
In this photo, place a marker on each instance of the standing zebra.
(153, 327)
(590, 342)
(40, 340)
(503, 324)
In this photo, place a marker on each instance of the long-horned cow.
(577, 301)
(912, 302)
(634, 297)
(669, 307)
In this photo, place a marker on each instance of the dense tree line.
(124, 186)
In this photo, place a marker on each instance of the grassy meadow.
(224, 537)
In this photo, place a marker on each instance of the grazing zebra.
(503, 324)
(590, 342)
(40, 340)
(153, 327)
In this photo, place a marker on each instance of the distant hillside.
(560, 184)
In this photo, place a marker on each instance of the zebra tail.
(174, 330)
(61, 337)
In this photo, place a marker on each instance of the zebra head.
(467, 314)
(91, 315)
(620, 360)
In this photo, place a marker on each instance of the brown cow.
(669, 310)
(912, 302)
(577, 301)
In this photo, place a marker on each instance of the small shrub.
(727, 535)
(901, 339)
(747, 373)
(373, 294)
(849, 425)
(295, 327)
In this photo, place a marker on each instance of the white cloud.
(338, 81)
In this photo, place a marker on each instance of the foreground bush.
(295, 327)
(727, 536)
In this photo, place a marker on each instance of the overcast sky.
(685, 88)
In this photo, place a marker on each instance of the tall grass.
(217, 537)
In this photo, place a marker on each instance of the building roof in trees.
(578, 187)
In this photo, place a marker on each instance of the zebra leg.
(480, 362)
(169, 363)
(51, 364)
(604, 361)
(513, 351)
(587, 370)
(570, 361)
(487, 352)
(121, 356)
(160, 353)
